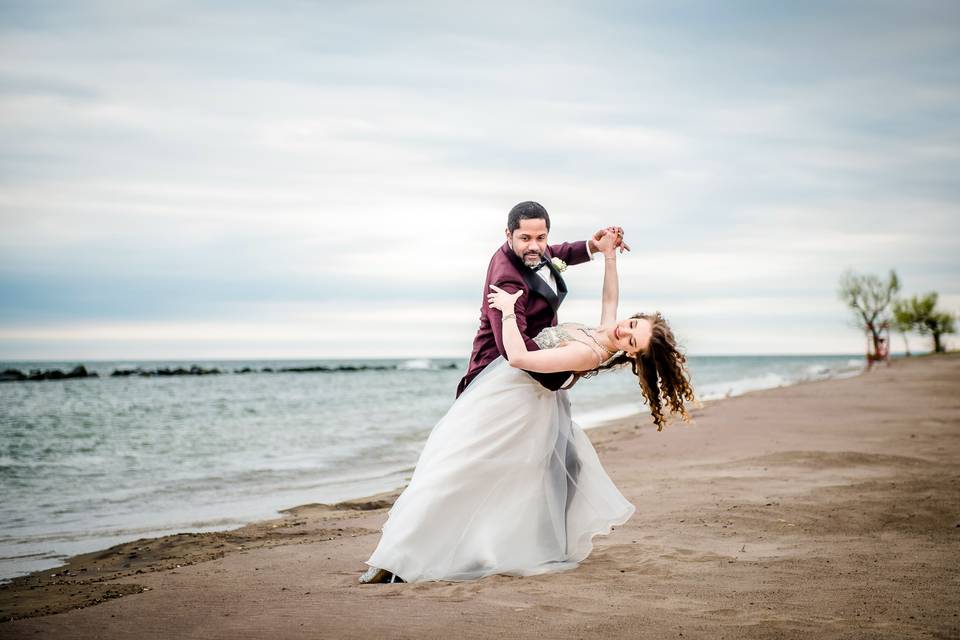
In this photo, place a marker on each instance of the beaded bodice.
(552, 337)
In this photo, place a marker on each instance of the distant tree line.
(876, 308)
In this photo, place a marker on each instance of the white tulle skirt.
(506, 483)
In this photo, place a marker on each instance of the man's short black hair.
(528, 210)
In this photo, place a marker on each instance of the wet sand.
(827, 509)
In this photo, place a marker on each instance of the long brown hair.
(661, 370)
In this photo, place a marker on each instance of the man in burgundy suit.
(525, 262)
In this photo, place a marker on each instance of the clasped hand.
(502, 300)
(610, 239)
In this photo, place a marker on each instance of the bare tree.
(869, 297)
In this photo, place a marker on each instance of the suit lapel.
(538, 284)
(561, 285)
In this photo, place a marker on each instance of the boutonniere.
(558, 264)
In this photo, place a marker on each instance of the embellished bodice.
(552, 337)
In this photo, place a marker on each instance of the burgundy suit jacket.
(535, 309)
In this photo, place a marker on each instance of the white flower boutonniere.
(559, 264)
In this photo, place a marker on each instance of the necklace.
(595, 341)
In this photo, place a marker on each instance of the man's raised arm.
(584, 250)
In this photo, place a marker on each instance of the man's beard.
(531, 258)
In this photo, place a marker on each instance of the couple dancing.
(507, 482)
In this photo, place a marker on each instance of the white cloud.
(367, 152)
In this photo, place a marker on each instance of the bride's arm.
(570, 357)
(611, 285)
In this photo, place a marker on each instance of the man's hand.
(618, 234)
(607, 243)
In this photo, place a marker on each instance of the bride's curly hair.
(661, 370)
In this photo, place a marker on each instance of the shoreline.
(88, 585)
(25, 557)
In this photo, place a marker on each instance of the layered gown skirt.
(506, 483)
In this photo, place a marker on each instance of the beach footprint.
(692, 555)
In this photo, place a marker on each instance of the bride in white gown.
(507, 482)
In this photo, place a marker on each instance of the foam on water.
(741, 386)
(409, 365)
(597, 417)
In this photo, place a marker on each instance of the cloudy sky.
(311, 179)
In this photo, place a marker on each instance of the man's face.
(529, 241)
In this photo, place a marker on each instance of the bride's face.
(632, 335)
(529, 241)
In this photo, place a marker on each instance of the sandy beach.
(826, 509)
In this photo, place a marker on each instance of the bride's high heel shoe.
(374, 575)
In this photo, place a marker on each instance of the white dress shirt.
(546, 273)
